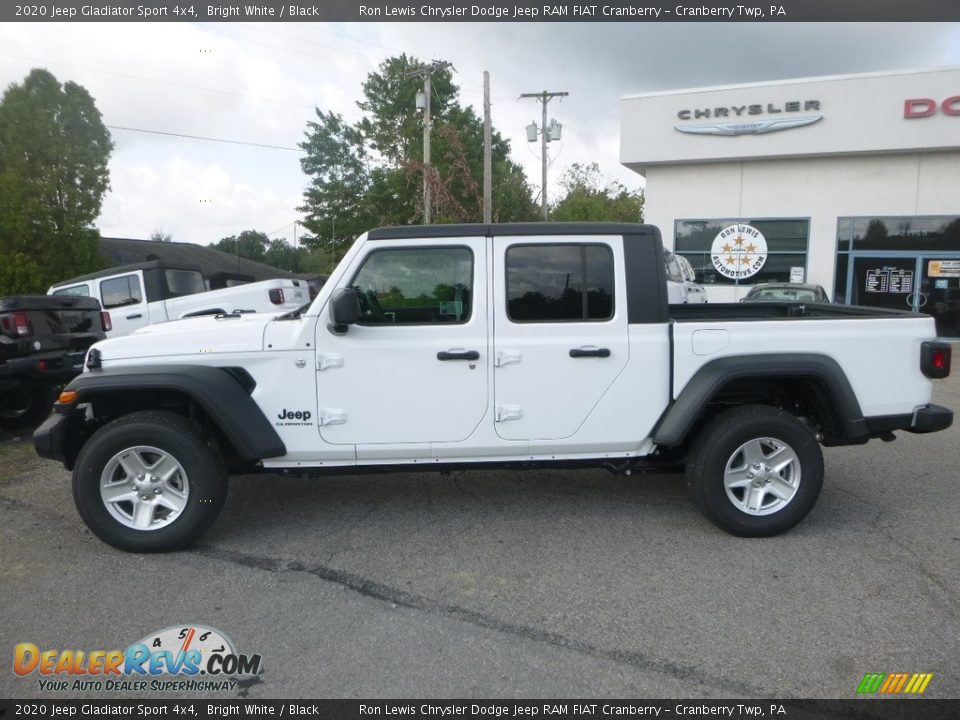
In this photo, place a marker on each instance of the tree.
(54, 150)
(159, 235)
(589, 198)
(255, 245)
(370, 173)
(250, 244)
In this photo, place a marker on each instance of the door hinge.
(329, 360)
(332, 416)
(508, 357)
(509, 412)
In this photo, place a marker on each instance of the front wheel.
(149, 482)
(755, 471)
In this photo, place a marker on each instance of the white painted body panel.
(880, 357)
(194, 338)
(540, 392)
(249, 297)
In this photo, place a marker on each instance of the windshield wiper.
(295, 314)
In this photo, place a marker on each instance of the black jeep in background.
(43, 342)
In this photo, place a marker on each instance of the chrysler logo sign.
(758, 127)
(747, 126)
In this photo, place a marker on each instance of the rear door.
(560, 332)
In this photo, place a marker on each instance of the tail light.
(21, 323)
(106, 321)
(935, 359)
(276, 296)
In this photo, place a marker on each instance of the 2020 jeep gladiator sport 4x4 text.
(490, 345)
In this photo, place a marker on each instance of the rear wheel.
(27, 406)
(755, 471)
(149, 482)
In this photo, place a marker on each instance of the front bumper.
(924, 419)
(54, 368)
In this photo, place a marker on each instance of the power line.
(200, 137)
(289, 49)
(157, 80)
(274, 232)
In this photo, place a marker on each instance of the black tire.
(27, 406)
(181, 439)
(717, 446)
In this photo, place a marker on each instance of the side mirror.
(344, 309)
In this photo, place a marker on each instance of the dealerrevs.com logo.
(182, 657)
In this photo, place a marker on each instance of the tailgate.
(53, 323)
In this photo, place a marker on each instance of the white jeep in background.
(154, 292)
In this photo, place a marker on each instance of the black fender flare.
(683, 413)
(222, 392)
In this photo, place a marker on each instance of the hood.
(192, 336)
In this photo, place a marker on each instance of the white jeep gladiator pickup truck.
(490, 346)
(154, 292)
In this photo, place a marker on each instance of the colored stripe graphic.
(871, 682)
(894, 683)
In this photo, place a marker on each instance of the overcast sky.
(260, 82)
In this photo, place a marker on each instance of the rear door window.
(559, 283)
(120, 291)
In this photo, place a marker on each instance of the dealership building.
(850, 182)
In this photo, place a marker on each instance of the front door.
(414, 369)
(561, 336)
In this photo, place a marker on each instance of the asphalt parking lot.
(510, 584)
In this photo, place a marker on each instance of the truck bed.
(706, 312)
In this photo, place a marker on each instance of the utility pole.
(426, 72)
(547, 133)
(487, 153)
(427, 123)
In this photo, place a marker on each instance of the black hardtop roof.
(121, 269)
(513, 229)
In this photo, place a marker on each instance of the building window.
(743, 251)
(559, 283)
(416, 286)
(903, 237)
(902, 233)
